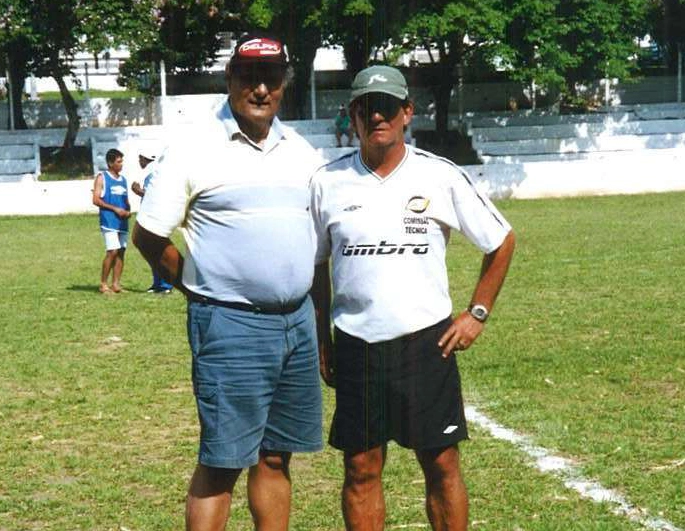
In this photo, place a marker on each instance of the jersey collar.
(364, 168)
(276, 132)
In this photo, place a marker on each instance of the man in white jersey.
(238, 188)
(383, 217)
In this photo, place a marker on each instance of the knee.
(276, 461)
(364, 467)
(441, 466)
(210, 481)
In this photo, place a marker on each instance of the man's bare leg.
(447, 501)
(363, 504)
(107, 265)
(208, 504)
(269, 491)
(117, 269)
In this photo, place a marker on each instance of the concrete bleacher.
(527, 138)
(19, 158)
(525, 154)
(630, 149)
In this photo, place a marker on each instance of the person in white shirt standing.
(146, 160)
(239, 189)
(383, 217)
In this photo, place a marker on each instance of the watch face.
(479, 312)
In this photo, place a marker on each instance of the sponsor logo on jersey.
(117, 189)
(416, 224)
(418, 204)
(352, 208)
(384, 248)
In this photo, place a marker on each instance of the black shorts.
(401, 390)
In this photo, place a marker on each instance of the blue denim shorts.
(256, 383)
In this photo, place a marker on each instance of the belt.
(246, 307)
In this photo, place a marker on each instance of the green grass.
(584, 354)
(81, 94)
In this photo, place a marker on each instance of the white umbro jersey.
(387, 237)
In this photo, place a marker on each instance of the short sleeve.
(167, 193)
(478, 219)
(322, 236)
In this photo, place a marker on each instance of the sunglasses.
(383, 104)
(256, 74)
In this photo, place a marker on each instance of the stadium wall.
(478, 97)
(511, 181)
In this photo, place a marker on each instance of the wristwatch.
(479, 312)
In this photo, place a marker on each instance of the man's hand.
(137, 189)
(461, 334)
(122, 213)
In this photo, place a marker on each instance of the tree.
(459, 31)
(297, 22)
(15, 52)
(185, 38)
(601, 40)
(667, 27)
(52, 32)
(534, 33)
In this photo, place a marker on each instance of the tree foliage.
(666, 21)
(600, 39)
(460, 31)
(186, 39)
(564, 44)
(297, 22)
(534, 33)
(359, 26)
(44, 36)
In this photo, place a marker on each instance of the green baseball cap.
(380, 78)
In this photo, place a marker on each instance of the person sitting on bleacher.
(343, 126)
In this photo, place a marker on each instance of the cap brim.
(399, 94)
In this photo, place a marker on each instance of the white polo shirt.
(387, 239)
(243, 211)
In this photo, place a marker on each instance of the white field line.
(564, 468)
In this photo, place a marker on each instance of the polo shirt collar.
(276, 132)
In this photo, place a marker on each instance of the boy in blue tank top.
(110, 195)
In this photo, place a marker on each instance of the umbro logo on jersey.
(384, 248)
(418, 204)
(352, 208)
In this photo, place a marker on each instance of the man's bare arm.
(161, 254)
(466, 328)
(321, 295)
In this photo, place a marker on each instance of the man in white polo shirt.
(383, 217)
(238, 188)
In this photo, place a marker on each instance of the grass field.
(79, 95)
(585, 354)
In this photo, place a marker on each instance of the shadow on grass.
(92, 288)
(58, 164)
(95, 289)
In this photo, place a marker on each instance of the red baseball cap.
(253, 48)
